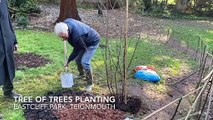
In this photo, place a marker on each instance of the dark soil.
(29, 60)
(39, 114)
(133, 104)
(68, 113)
(103, 114)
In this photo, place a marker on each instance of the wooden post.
(125, 53)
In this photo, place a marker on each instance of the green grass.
(150, 53)
(193, 33)
(14, 115)
(37, 81)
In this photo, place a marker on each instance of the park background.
(151, 24)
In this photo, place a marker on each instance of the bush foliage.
(178, 7)
(21, 9)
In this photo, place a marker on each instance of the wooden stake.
(209, 105)
(196, 100)
(194, 114)
(155, 112)
(125, 53)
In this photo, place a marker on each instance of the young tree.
(68, 8)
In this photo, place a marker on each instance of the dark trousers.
(8, 84)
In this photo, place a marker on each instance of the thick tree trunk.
(68, 8)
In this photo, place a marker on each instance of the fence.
(198, 50)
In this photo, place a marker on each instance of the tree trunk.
(113, 4)
(68, 8)
(148, 4)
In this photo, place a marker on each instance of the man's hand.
(15, 47)
(66, 64)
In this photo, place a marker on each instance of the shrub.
(24, 6)
(22, 21)
(21, 9)
(137, 5)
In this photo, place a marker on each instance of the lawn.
(37, 81)
(193, 32)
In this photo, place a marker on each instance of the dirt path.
(137, 24)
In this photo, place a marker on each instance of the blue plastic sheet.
(147, 75)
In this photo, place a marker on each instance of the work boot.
(89, 78)
(12, 95)
(81, 71)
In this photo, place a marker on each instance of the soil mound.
(29, 60)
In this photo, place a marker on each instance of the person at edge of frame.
(8, 44)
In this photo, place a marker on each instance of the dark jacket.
(81, 36)
(7, 42)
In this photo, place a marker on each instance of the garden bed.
(29, 60)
